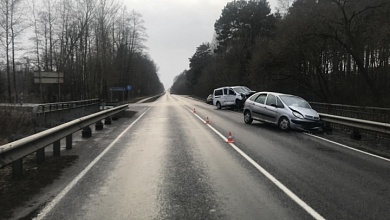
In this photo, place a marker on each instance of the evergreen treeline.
(97, 44)
(334, 51)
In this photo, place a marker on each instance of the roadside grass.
(15, 192)
(14, 124)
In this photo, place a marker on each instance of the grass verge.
(15, 192)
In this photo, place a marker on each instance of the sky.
(175, 28)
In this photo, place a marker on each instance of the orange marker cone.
(230, 138)
(194, 111)
(207, 121)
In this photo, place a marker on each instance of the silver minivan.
(231, 96)
(286, 111)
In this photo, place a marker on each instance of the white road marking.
(351, 148)
(333, 142)
(62, 194)
(289, 193)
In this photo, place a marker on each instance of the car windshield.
(246, 88)
(239, 90)
(295, 101)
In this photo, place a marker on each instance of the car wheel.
(284, 124)
(219, 105)
(248, 117)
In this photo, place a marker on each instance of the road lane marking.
(280, 185)
(333, 142)
(348, 147)
(62, 194)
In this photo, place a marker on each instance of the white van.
(230, 96)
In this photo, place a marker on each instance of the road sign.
(117, 89)
(128, 88)
(48, 77)
(49, 80)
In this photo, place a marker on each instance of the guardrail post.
(17, 168)
(327, 127)
(99, 126)
(107, 121)
(69, 141)
(87, 132)
(40, 154)
(115, 117)
(355, 135)
(57, 148)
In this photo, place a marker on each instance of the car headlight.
(297, 114)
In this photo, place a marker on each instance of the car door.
(258, 107)
(231, 96)
(225, 97)
(270, 109)
(217, 96)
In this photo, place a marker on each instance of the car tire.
(248, 117)
(284, 124)
(219, 105)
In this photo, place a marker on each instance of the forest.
(96, 44)
(331, 51)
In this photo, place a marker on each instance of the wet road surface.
(168, 164)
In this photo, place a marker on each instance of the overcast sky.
(176, 28)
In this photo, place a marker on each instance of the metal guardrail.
(17, 150)
(359, 112)
(50, 107)
(53, 114)
(357, 123)
(372, 121)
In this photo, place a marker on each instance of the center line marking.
(280, 185)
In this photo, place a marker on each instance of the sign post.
(128, 88)
(118, 89)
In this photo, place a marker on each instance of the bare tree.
(88, 40)
(47, 19)
(36, 39)
(5, 23)
(12, 26)
(106, 15)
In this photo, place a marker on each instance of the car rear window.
(218, 92)
(261, 98)
(253, 97)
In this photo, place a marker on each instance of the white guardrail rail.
(357, 123)
(15, 151)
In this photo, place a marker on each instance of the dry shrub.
(15, 122)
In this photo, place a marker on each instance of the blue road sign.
(128, 88)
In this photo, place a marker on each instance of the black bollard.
(99, 126)
(87, 132)
(107, 121)
(355, 134)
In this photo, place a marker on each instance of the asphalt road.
(167, 163)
